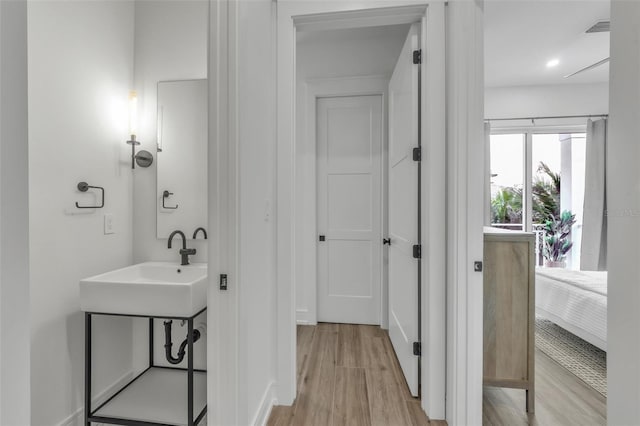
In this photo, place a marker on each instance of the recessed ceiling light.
(553, 63)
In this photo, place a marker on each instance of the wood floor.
(562, 399)
(349, 375)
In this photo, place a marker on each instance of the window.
(507, 178)
(534, 177)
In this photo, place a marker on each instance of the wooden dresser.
(509, 310)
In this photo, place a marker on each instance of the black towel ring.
(166, 195)
(83, 187)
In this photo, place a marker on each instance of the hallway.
(348, 375)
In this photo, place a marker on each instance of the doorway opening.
(545, 177)
(357, 194)
(298, 233)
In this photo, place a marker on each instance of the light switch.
(108, 224)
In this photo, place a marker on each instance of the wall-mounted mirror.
(181, 192)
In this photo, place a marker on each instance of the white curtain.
(593, 255)
(487, 173)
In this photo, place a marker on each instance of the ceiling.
(521, 36)
(350, 52)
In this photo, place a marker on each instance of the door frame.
(465, 201)
(15, 304)
(350, 14)
(306, 214)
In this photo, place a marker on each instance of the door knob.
(386, 241)
(321, 238)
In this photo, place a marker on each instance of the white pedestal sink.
(155, 289)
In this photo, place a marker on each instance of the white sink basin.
(163, 289)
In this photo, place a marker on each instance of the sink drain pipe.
(168, 344)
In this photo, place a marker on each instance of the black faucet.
(184, 251)
(204, 231)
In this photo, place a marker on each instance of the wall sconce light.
(143, 158)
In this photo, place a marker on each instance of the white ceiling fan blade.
(592, 66)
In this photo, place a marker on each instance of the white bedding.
(575, 300)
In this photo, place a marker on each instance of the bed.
(574, 300)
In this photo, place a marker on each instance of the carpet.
(581, 358)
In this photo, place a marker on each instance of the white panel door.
(403, 211)
(349, 143)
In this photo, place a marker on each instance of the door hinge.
(417, 348)
(417, 154)
(417, 251)
(417, 56)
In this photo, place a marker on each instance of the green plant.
(556, 239)
(546, 194)
(506, 206)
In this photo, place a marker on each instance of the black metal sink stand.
(91, 416)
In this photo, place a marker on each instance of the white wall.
(242, 331)
(544, 101)
(170, 44)
(14, 223)
(623, 205)
(256, 180)
(349, 51)
(80, 72)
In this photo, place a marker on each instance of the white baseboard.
(303, 317)
(77, 418)
(267, 403)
